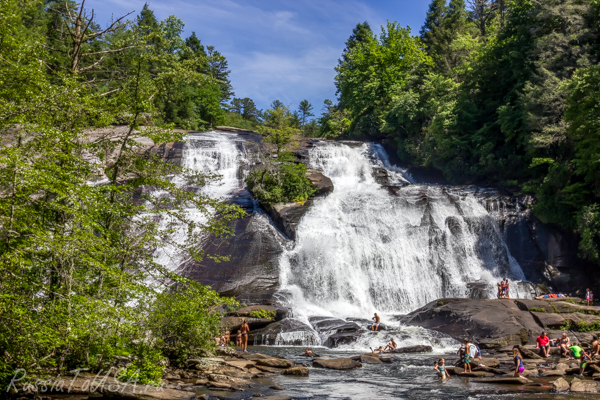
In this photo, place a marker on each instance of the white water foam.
(362, 249)
(215, 154)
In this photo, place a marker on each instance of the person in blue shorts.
(375, 325)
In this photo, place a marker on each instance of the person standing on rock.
(543, 342)
(518, 359)
(375, 325)
(507, 285)
(587, 296)
(245, 330)
(467, 358)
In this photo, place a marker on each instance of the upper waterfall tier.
(363, 249)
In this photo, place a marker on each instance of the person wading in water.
(245, 330)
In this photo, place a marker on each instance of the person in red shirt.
(543, 343)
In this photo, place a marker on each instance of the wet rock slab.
(336, 363)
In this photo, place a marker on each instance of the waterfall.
(365, 248)
(218, 155)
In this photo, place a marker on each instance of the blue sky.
(284, 49)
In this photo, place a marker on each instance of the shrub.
(263, 314)
(284, 182)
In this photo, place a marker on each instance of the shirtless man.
(391, 345)
(245, 330)
(375, 325)
(595, 350)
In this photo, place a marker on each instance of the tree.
(305, 110)
(246, 108)
(218, 68)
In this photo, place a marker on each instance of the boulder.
(413, 349)
(493, 323)
(288, 332)
(280, 312)
(295, 371)
(561, 367)
(559, 372)
(275, 363)
(477, 374)
(235, 323)
(505, 381)
(560, 385)
(229, 380)
(549, 320)
(336, 363)
(370, 359)
(488, 362)
(270, 370)
(584, 386)
(529, 354)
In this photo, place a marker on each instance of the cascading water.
(217, 154)
(363, 249)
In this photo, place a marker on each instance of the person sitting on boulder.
(543, 343)
(440, 367)
(565, 343)
(309, 353)
(391, 345)
(378, 351)
(518, 359)
(375, 325)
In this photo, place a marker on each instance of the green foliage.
(283, 182)
(537, 309)
(491, 92)
(79, 221)
(147, 367)
(440, 303)
(581, 326)
(263, 314)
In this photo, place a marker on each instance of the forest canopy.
(85, 206)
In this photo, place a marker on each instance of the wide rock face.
(252, 274)
(493, 323)
(336, 363)
(289, 332)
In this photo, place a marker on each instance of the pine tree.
(305, 110)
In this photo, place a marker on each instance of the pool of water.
(410, 376)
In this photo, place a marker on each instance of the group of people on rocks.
(569, 350)
(389, 348)
(241, 339)
(503, 289)
(468, 353)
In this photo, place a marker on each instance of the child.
(584, 360)
(238, 339)
(499, 290)
(467, 357)
(518, 359)
(588, 295)
(440, 367)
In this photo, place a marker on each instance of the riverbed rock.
(558, 372)
(584, 386)
(413, 349)
(370, 359)
(493, 323)
(560, 385)
(288, 332)
(529, 354)
(336, 363)
(235, 323)
(504, 381)
(296, 371)
(275, 363)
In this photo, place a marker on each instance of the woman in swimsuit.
(245, 329)
(440, 367)
(565, 343)
(518, 359)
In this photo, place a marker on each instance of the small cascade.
(218, 155)
(365, 248)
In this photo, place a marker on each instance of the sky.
(285, 49)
